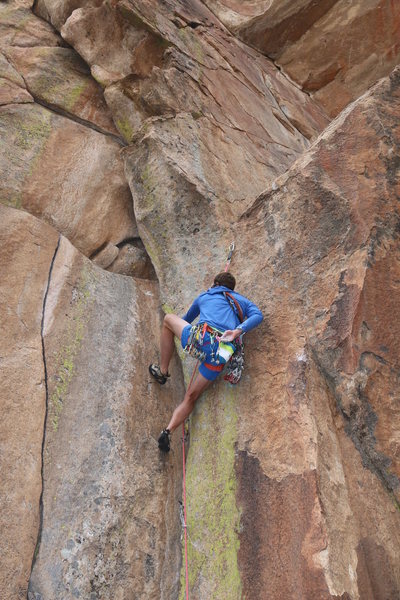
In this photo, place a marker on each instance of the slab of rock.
(334, 49)
(368, 50)
(27, 248)
(133, 260)
(162, 62)
(70, 360)
(273, 25)
(107, 489)
(20, 27)
(57, 168)
(12, 86)
(331, 237)
(65, 173)
(59, 79)
(58, 11)
(105, 256)
(109, 43)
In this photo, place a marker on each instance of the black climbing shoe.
(163, 440)
(157, 374)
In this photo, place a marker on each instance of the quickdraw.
(196, 341)
(230, 252)
(235, 366)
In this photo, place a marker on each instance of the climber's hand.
(230, 335)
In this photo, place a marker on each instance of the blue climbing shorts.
(209, 368)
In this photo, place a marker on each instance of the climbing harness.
(196, 342)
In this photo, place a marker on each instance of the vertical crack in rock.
(46, 407)
(360, 427)
(359, 424)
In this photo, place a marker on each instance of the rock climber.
(224, 315)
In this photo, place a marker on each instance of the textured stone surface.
(369, 49)
(287, 512)
(12, 87)
(106, 256)
(321, 224)
(20, 28)
(104, 485)
(89, 202)
(162, 60)
(59, 166)
(293, 476)
(306, 252)
(27, 248)
(133, 260)
(107, 492)
(58, 78)
(269, 22)
(334, 49)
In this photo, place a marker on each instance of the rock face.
(307, 428)
(331, 224)
(27, 249)
(102, 432)
(58, 77)
(293, 476)
(59, 156)
(102, 490)
(334, 49)
(90, 211)
(175, 59)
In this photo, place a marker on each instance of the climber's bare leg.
(172, 325)
(187, 405)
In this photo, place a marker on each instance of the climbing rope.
(228, 262)
(184, 493)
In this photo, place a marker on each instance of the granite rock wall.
(138, 140)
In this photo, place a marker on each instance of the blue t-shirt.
(213, 308)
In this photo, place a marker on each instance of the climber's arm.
(193, 312)
(253, 317)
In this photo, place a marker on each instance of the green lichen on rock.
(58, 85)
(74, 95)
(81, 299)
(212, 515)
(14, 201)
(125, 128)
(33, 132)
(196, 115)
(25, 131)
(149, 186)
(167, 309)
(154, 243)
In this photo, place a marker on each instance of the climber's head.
(226, 279)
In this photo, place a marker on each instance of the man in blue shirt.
(223, 315)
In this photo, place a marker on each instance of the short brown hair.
(226, 279)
